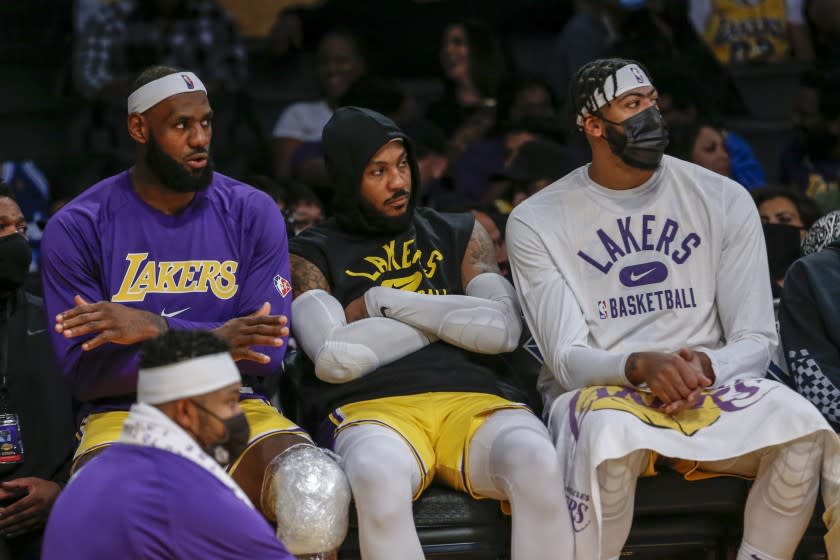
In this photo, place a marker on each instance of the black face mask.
(643, 141)
(783, 247)
(235, 440)
(15, 256)
(172, 173)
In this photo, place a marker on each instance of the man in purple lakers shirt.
(171, 244)
(175, 501)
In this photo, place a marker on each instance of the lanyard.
(4, 358)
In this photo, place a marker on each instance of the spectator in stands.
(707, 145)
(473, 68)
(32, 193)
(755, 31)
(159, 492)
(35, 404)
(526, 106)
(489, 218)
(811, 163)
(786, 216)
(808, 317)
(399, 303)
(305, 209)
(822, 232)
(170, 243)
(340, 61)
(536, 165)
(642, 278)
(435, 188)
(785, 206)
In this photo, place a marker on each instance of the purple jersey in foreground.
(220, 258)
(143, 502)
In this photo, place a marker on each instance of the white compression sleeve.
(343, 352)
(486, 320)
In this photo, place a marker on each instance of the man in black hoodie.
(809, 319)
(406, 386)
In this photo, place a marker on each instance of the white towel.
(592, 425)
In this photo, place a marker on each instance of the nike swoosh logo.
(636, 277)
(163, 312)
(33, 333)
(382, 310)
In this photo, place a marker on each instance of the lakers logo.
(644, 406)
(404, 265)
(175, 277)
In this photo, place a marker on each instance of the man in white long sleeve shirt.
(643, 281)
(403, 310)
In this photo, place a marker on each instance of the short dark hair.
(807, 207)
(153, 73)
(175, 346)
(589, 79)
(681, 139)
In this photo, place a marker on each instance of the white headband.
(146, 97)
(626, 78)
(186, 379)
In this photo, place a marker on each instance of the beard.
(386, 224)
(173, 174)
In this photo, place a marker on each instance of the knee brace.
(794, 474)
(310, 496)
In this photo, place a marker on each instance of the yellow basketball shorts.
(438, 427)
(101, 429)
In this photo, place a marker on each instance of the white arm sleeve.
(554, 316)
(343, 352)
(742, 296)
(486, 320)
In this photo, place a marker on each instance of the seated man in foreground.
(159, 492)
(643, 280)
(402, 311)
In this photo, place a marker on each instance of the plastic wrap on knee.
(310, 496)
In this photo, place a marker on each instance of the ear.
(138, 128)
(593, 126)
(184, 414)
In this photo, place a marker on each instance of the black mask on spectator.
(15, 256)
(783, 242)
(643, 140)
(173, 174)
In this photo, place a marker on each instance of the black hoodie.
(809, 317)
(350, 139)
(355, 252)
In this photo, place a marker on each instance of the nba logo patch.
(637, 73)
(188, 81)
(602, 309)
(282, 285)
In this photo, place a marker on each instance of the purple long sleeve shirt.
(219, 258)
(143, 502)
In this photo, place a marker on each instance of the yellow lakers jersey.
(747, 30)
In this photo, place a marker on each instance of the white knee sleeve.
(782, 498)
(617, 482)
(310, 497)
(384, 475)
(511, 457)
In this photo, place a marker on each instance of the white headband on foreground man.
(625, 78)
(189, 378)
(149, 95)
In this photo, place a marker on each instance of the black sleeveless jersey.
(426, 258)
